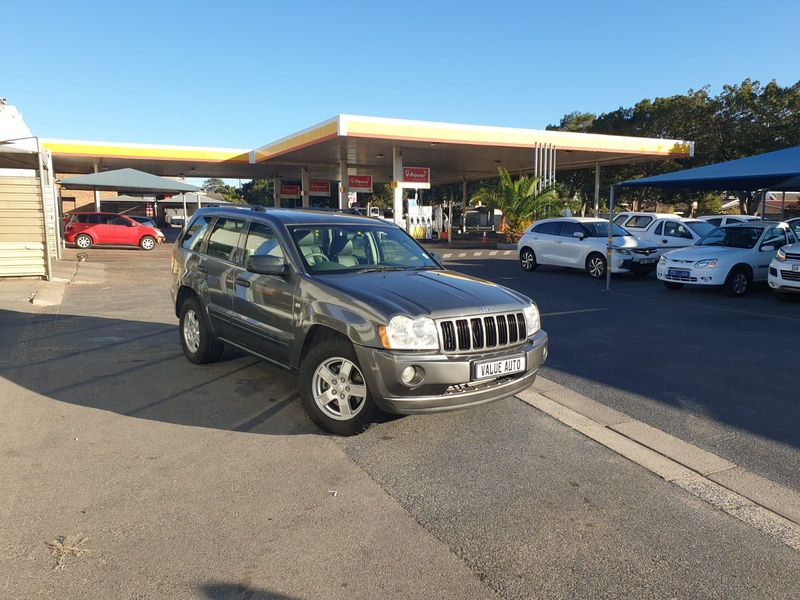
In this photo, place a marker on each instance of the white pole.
(344, 183)
(276, 186)
(610, 242)
(464, 206)
(304, 185)
(96, 192)
(397, 192)
(596, 189)
(185, 213)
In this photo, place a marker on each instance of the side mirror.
(768, 248)
(578, 234)
(267, 265)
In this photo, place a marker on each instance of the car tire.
(738, 282)
(672, 285)
(83, 241)
(527, 260)
(200, 345)
(148, 242)
(596, 265)
(321, 388)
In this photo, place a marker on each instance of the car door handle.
(201, 269)
(243, 282)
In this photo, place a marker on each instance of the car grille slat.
(791, 256)
(476, 333)
(790, 275)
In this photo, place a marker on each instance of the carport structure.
(405, 153)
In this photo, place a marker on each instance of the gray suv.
(368, 318)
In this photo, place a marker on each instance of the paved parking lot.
(210, 482)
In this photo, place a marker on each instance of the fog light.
(408, 375)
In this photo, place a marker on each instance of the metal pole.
(596, 189)
(609, 245)
(185, 213)
(464, 206)
(96, 192)
(783, 205)
(763, 204)
(450, 221)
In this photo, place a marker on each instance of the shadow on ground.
(228, 591)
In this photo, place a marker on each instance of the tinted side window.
(261, 241)
(90, 219)
(195, 234)
(115, 220)
(676, 229)
(659, 228)
(568, 228)
(639, 222)
(620, 220)
(715, 221)
(547, 228)
(224, 238)
(732, 220)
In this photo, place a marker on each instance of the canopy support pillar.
(96, 192)
(397, 191)
(304, 187)
(609, 245)
(464, 206)
(596, 189)
(344, 183)
(276, 191)
(783, 205)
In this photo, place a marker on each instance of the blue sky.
(241, 74)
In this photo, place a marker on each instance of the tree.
(258, 191)
(217, 188)
(520, 200)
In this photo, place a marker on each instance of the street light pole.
(609, 246)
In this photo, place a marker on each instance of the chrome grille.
(475, 333)
(792, 256)
(790, 275)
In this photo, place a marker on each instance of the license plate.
(497, 368)
(796, 268)
(648, 261)
(677, 273)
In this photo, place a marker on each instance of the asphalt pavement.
(209, 481)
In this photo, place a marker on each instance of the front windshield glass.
(356, 248)
(732, 237)
(701, 228)
(600, 229)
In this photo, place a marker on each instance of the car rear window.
(639, 222)
(550, 228)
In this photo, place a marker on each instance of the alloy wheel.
(597, 267)
(527, 260)
(739, 283)
(339, 389)
(191, 331)
(148, 243)
(83, 241)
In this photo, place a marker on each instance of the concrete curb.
(763, 504)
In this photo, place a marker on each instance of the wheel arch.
(184, 293)
(314, 334)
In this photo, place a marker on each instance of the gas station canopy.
(366, 145)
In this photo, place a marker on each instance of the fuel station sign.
(360, 183)
(418, 178)
(290, 190)
(319, 188)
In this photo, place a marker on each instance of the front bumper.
(446, 383)
(691, 274)
(782, 278)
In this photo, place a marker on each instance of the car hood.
(629, 241)
(692, 253)
(437, 293)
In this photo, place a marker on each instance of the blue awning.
(779, 170)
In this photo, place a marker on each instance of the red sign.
(319, 188)
(290, 190)
(421, 175)
(360, 183)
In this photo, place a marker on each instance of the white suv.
(581, 243)
(733, 256)
(784, 271)
(639, 221)
(720, 220)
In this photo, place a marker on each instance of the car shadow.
(137, 369)
(229, 591)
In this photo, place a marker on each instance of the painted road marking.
(460, 254)
(493, 252)
(572, 312)
(507, 252)
(692, 469)
(448, 255)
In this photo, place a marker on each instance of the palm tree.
(521, 201)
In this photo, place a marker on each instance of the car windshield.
(732, 237)
(600, 229)
(358, 248)
(701, 228)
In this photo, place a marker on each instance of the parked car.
(784, 271)
(670, 233)
(144, 220)
(360, 310)
(89, 229)
(580, 242)
(732, 256)
(639, 221)
(720, 220)
(794, 224)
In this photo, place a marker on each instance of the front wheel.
(147, 242)
(199, 345)
(596, 266)
(333, 391)
(738, 282)
(527, 260)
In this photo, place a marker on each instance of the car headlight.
(780, 254)
(532, 318)
(706, 263)
(405, 333)
(622, 251)
(662, 260)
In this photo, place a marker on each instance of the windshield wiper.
(377, 269)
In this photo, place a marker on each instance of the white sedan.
(733, 257)
(784, 271)
(672, 232)
(580, 243)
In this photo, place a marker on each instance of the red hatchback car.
(109, 229)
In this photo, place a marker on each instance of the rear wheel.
(671, 285)
(333, 391)
(83, 241)
(738, 282)
(527, 260)
(148, 242)
(596, 265)
(199, 345)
